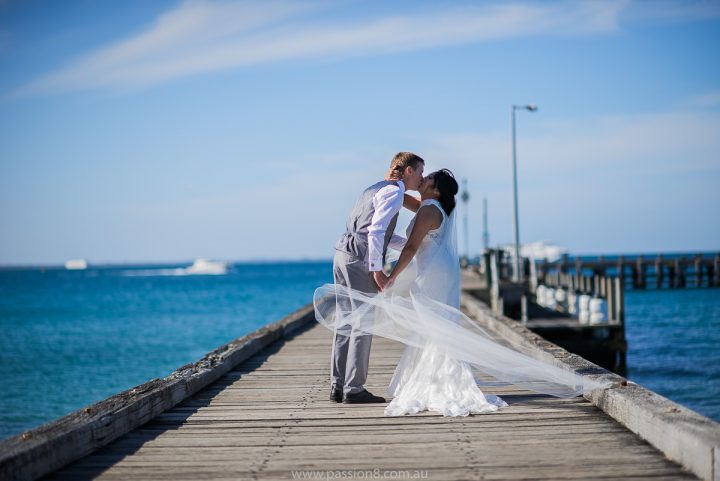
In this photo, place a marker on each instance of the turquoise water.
(72, 338)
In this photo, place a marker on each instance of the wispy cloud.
(207, 36)
(628, 145)
(596, 183)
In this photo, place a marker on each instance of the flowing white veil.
(407, 314)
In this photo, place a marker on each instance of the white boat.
(76, 264)
(207, 267)
(537, 250)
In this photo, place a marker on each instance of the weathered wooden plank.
(388, 440)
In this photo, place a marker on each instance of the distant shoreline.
(180, 263)
(125, 265)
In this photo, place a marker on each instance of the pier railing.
(583, 313)
(595, 298)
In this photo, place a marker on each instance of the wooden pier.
(601, 341)
(258, 408)
(640, 272)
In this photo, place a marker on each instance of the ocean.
(673, 340)
(72, 338)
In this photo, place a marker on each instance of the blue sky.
(164, 131)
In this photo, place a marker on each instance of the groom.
(358, 263)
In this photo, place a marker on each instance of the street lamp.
(517, 273)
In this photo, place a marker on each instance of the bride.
(420, 308)
(426, 378)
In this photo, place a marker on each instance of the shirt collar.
(402, 185)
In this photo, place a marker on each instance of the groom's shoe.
(336, 394)
(362, 397)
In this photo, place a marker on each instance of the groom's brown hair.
(401, 161)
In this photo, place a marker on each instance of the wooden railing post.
(659, 271)
(672, 268)
(680, 271)
(488, 272)
(619, 301)
(610, 298)
(640, 269)
(578, 266)
(495, 299)
(596, 285)
(698, 270)
(601, 265)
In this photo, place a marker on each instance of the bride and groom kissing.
(417, 304)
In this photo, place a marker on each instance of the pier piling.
(659, 271)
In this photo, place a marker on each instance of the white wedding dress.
(443, 345)
(426, 378)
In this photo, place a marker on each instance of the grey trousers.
(351, 354)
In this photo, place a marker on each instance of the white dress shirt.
(387, 202)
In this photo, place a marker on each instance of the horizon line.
(268, 260)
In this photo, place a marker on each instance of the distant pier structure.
(578, 302)
(644, 271)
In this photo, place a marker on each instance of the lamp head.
(531, 108)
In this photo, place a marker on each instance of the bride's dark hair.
(446, 184)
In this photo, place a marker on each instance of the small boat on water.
(207, 267)
(76, 264)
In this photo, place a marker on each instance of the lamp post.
(486, 233)
(517, 273)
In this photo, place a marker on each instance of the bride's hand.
(380, 279)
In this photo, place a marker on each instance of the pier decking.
(270, 418)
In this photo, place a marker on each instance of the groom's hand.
(380, 279)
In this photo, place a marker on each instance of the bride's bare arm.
(427, 218)
(411, 203)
